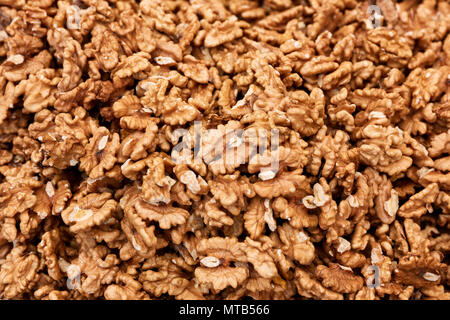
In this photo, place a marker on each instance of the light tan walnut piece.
(221, 277)
(262, 262)
(100, 153)
(132, 114)
(305, 112)
(130, 66)
(318, 65)
(156, 184)
(333, 148)
(61, 133)
(84, 212)
(258, 214)
(50, 247)
(386, 203)
(167, 104)
(231, 191)
(138, 145)
(212, 213)
(216, 255)
(264, 289)
(286, 183)
(194, 183)
(20, 71)
(419, 271)
(95, 266)
(167, 216)
(435, 293)
(141, 238)
(339, 279)
(296, 244)
(52, 198)
(39, 90)
(224, 148)
(309, 287)
(17, 189)
(73, 58)
(328, 207)
(427, 85)
(387, 47)
(18, 273)
(420, 203)
(126, 289)
(295, 212)
(223, 32)
(385, 149)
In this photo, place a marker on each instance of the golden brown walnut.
(216, 255)
(96, 266)
(60, 133)
(156, 184)
(17, 72)
(339, 279)
(138, 145)
(387, 47)
(296, 244)
(427, 85)
(305, 112)
(161, 275)
(221, 277)
(84, 212)
(295, 212)
(132, 114)
(223, 32)
(141, 238)
(309, 287)
(169, 106)
(18, 273)
(258, 214)
(224, 148)
(127, 289)
(39, 90)
(318, 65)
(16, 190)
(73, 58)
(334, 150)
(167, 216)
(228, 249)
(420, 203)
(100, 153)
(386, 204)
(262, 262)
(386, 149)
(194, 183)
(231, 191)
(130, 66)
(50, 247)
(212, 214)
(419, 271)
(284, 184)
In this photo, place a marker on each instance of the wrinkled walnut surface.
(95, 205)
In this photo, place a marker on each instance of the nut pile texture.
(94, 206)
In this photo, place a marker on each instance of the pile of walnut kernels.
(93, 205)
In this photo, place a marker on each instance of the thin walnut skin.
(94, 206)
